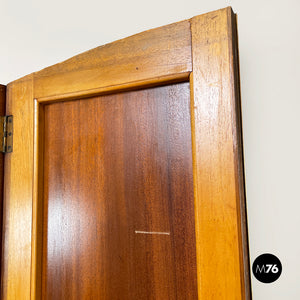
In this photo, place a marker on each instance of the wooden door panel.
(117, 123)
(118, 197)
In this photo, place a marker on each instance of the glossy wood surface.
(118, 197)
(18, 183)
(202, 50)
(143, 58)
(21, 272)
(222, 260)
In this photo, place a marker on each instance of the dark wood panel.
(118, 197)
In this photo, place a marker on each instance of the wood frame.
(202, 50)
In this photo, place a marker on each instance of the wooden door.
(126, 178)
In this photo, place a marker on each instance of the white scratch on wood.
(152, 232)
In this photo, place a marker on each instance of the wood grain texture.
(118, 194)
(2, 113)
(18, 183)
(153, 54)
(119, 88)
(205, 45)
(217, 167)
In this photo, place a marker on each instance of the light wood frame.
(203, 51)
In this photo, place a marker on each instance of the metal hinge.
(6, 134)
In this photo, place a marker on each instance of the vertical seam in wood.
(37, 202)
(193, 145)
(195, 180)
(195, 166)
(33, 250)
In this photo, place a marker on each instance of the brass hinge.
(6, 134)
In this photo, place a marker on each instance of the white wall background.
(35, 34)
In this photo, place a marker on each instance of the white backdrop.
(36, 34)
